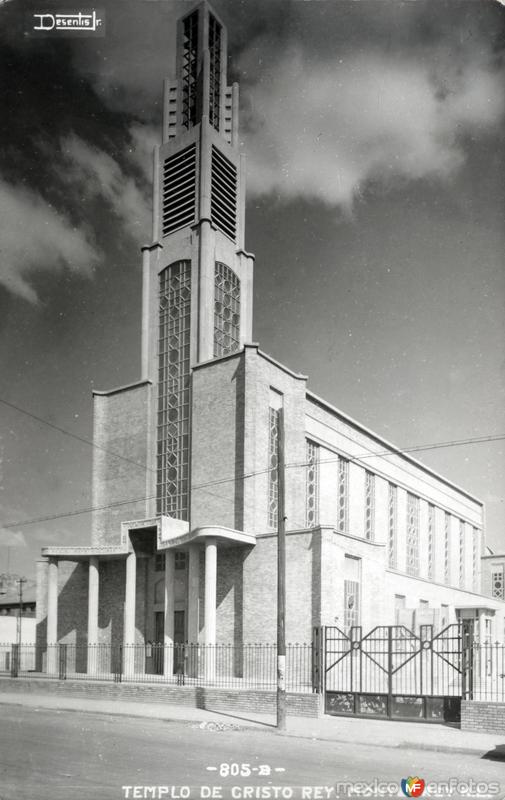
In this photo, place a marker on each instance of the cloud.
(33, 236)
(99, 175)
(324, 129)
(10, 538)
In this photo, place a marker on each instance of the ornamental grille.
(273, 462)
(369, 505)
(226, 311)
(312, 484)
(497, 584)
(447, 548)
(342, 494)
(215, 71)
(223, 195)
(189, 69)
(475, 559)
(461, 553)
(412, 534)
(179, 190)
(392, 491)
(173, 391)
(431, 540)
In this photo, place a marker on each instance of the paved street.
(61, 755)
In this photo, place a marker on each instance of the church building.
(185, 480)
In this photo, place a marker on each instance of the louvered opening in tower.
(223, 201)
(179, 190)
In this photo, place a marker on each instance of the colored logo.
(412, 787)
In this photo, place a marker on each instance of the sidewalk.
(378, 733)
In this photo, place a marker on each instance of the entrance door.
(159, 640)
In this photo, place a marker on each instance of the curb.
(261, 727)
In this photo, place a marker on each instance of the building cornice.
(119, 389)
(393, 448)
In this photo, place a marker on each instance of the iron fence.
(248, 666)
(381, 662)
(487, 676)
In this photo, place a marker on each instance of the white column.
(93, 616)
(210, 606)
(52, 616)
(193, 609)
(168, 650)
(129, 615)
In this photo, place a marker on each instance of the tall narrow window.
(461, 553)
(273, 462)
(226, 311)
(215, 71)
(173, 390)
(392, 492)
(352, 591)
(343, 494)
(412, 534)
(431, 540)
(475, 559)
(189, 69)
(497, 582)
(312, 483)
(447, 548)
(369, 505)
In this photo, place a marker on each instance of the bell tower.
(197, 278)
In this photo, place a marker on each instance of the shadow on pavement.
(498, 754)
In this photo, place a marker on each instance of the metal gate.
(392, 672)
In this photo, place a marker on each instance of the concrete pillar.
(129, 615)
(168, 650)
(193, 608)
(210, 606)
(93, 616)
(52, 616)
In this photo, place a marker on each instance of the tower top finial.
(200, 92)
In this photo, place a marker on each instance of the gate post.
(317, 660)
(390, 671)
(467, 658)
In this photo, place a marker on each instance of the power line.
(75, 435)
(244, 476)
(392, 451)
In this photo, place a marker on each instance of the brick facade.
(483, 717)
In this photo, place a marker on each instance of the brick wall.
(483, 717)
(259, 702)
(120, 426)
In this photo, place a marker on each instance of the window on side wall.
(352, 591)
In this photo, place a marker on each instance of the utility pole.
(281, 582)
(20, 583)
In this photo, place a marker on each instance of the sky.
(375, 139)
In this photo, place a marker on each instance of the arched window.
(226, 311)
(173, 390)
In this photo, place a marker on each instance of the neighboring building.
(493, 585)
(9, 616)
(183, 546)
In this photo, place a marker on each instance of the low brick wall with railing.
(210, 699)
